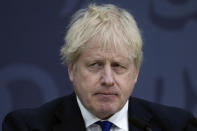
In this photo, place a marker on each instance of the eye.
(118, 68)
(117, 65)
(95, 66)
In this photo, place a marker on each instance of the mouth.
(106, 95)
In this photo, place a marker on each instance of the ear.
(136, 76)
(70, 72)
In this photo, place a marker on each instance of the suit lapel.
(139, 117)
(68, 116)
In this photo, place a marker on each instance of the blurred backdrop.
(32, 32)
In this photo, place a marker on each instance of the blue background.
(32, 32)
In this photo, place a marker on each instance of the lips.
(106, 95)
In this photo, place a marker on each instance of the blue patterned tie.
(105, 125)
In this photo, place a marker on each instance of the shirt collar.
(120, 118)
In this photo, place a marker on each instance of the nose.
(107, 77)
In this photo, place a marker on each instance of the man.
(103, 52)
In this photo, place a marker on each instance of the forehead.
(93, 51)
(111, 48)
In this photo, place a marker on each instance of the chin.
(105, 111)
(104, 114)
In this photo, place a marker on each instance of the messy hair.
(111, 26)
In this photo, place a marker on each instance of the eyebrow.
(114, 59)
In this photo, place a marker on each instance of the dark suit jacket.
(63, 114)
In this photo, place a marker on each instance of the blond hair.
(112, 27)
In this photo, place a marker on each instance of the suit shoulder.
(43, 109)
(155, 107)
(167, 115)
(30, 116)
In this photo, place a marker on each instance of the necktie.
(105, 125)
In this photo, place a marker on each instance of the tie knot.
(105, 125)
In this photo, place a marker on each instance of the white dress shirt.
(119, 119)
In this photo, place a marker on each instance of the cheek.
(85, 82)
(126, 84)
